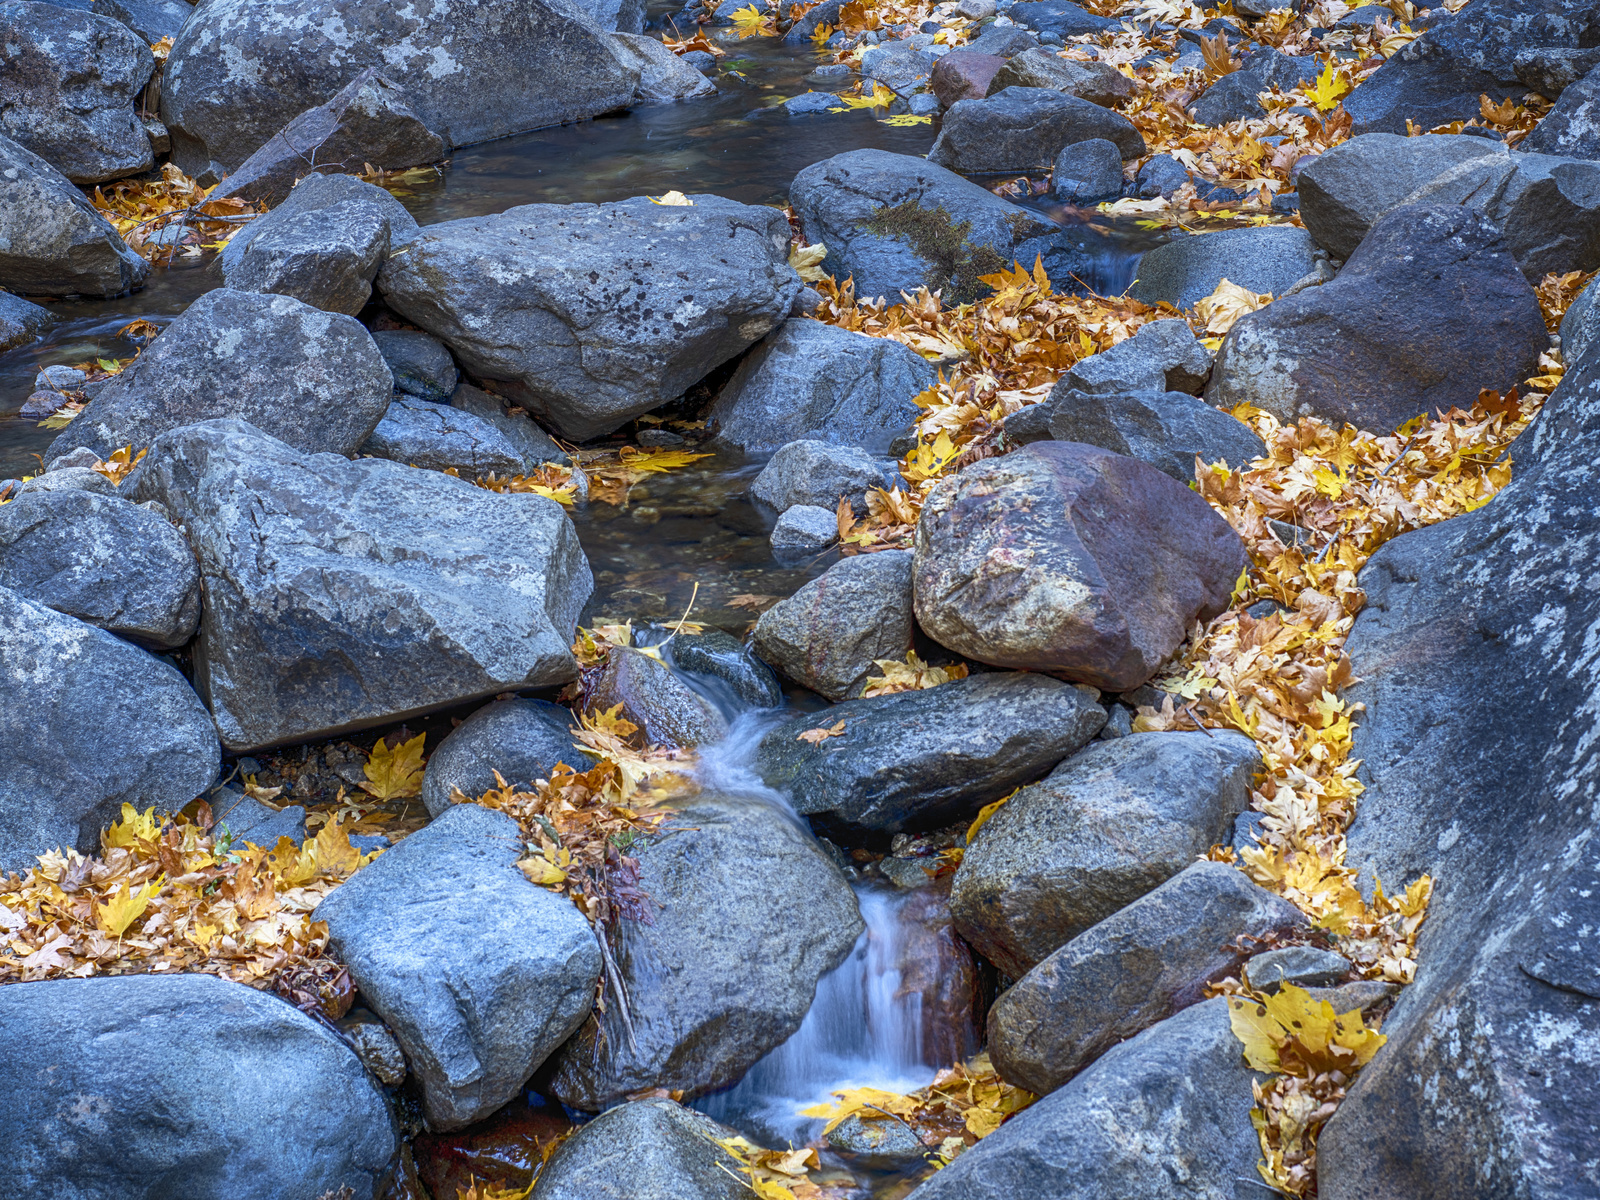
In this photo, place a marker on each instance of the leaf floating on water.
(753, 601)
(903, 120)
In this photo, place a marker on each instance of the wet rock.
(667, 711)
(935, 964)
(825, 13)
(818, 473)
(20, 322)
(1165, 429)
(883, 1141)
(312, 378)
(420, 364)
(1135, 968)
(1058, 17)
(1550, 70)
(1161, 176)
(1303, 966)
(720, 661)
(152, 20)
(480, 974)
(915, 760)
(896, 223)
(646, 1150)
(1172, 1104)
(107, 562)
(523, 740)
(748, 913)
(52, 241)
(821, 383)
(1428, 310)
(469, 72)
(531, 442)
(802, 531)
(341, 595)
(249, 820)
(322, 245)
(662, 74)
(1266, 258)
(119, 1085)
(898, 66)
(550, 300)
(811, 103)
(964, 74)
(376, 1047)
(1506, 962)
(1109, 825)
(1096, 82)
(828, 635)
(1235, 95)
(505, 1150)
(1049, 559)
(94, 724)
(1087, 172)
(71, 82)
(1023, 129)
(1164, 356)
(438, 437)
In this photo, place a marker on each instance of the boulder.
(523, 740)
(312, 378)
(667, 711)
(828, 635)
(805, 25)
(747, 913)
(1550, 70)
(1430, 309)
(1002, 41)
(1441, 76)
(107, 562)
(1137, 967)
(1485, 1087)
(820, 383)
(895, 223)
(20, 322)
(720, 664)
(1023, 129)
(964, 74)
(93, 724)
(248, 820)
(1168, 430)
(624, 16)
(322, 245)
(645, 1150)
(811, 103)
(1580, 325)
(52, 241)
(590, 314)
(1236, 95)
(531, 442)
(1059, 17)
(439, 437)
(242, 69)
(69, 479)
(1261, 258)
(1166, 1110)
(1303, 966)
(340, 595)
(1112, 823)
(921, 759)
(802, 531)
(662, 74)
(877, 1141)
(1087, 172)
(480, 974)
(1066, 558)
(152, 20)
(819, 473)
(419, 362)
(1164, 356)
(119, 1085)
(898, 65)
(1097, 82)
(71, 82)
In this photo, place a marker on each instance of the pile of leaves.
(171, 214)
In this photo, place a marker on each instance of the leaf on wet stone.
(817, 736)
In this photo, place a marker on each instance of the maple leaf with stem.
(394, 773)
(125, 907)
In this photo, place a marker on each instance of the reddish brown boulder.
(935, 963)
(963, 75)
(1066, 558)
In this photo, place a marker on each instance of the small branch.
(615, 977)
(1189, 708)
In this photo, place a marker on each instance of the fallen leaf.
(394, 773)
(815, 736)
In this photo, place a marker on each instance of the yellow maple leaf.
(1224, 306)
(1330, 85)
(133, 828)
(984, 813)
(395, 773)
(1291, 1027)
(854, 1100)
(540, 870)
(879, 97)
(911, 675)
(657, 461)
(124, 908)
(821, 34)
(807, 261)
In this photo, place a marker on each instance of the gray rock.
(825, 13)
(1580, 325)
(52, 241)
(523, 740)
(1135, 968)
(439, 437)
(1119, 723)
(1265, 258)
(1235, 95)
(20, 322)
(69, 479)
(1572, 128)
(646, 1150)
(828, 635)
(341, 595)
(1165, 429)
(1485, 1086)
(625, 16)
(322, 245)
(470, 73)
(881, 1141)
(419, 362)
(1023, 129)
(748, 913)
(248, 820)
(550, 300)
(1249, 831)
(376, 1047)
(231, 1090)
(71, 82)
(1059, 17)
(667, 711)
(917, 760)
(531, 442)
(92, 724)
(152, 20)
(819, 474)
(1167, 1109)
(802, 531)
(1110, 824)
(895, 223)
(1002, 41)
(480, 974)
(1087, 172)
(311, 378)
(1429, 310)
(811, 103)
(721, 664)
(819, 383)
(1097, 82)
(107, 562)
(1303, 966)
(1161, 176)
(1550, 70)
(662, 74)
(898, 66)
(1164, 356)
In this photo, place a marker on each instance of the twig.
(678, 625)
(1189, 708)
(1404, 450)
(615, 977)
